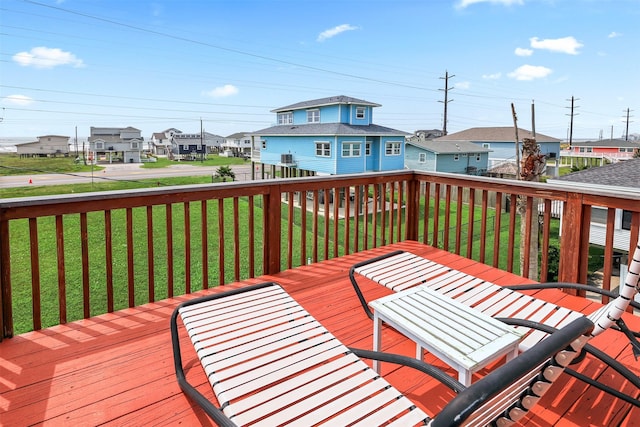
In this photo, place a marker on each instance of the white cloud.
(21, 100)
(530, 72)
(45, 57)
(332, 32)
(464, 3)
(222, 91)
(567, 45)
(463, 85)
(494, 76)
(614, 34)
(520, 51)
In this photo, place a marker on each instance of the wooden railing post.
(412, 213)
(6, 311)
(272, 230)
(574, 244)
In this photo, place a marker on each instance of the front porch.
(117, 368)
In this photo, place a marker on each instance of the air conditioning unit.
(286, 159)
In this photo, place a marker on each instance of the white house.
(111, 144)
(47, 145)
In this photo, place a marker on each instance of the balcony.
(85, 318)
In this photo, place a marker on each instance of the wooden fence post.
(272, 230)
(574, 243)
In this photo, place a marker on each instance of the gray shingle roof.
(328, 129)
(622, 174)
(494, 134)
(332, 100)
(451, 147)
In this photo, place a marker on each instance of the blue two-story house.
(334, 135)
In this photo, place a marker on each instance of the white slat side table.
(464, 338)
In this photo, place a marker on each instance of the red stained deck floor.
(117, 369)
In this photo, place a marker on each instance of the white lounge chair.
(269, 362)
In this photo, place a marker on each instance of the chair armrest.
(411, 362)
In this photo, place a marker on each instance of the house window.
(360, 113)
(99, 145)
(456, 157)
(626, 220)
(589, 150)
(392, 148)
(478, 156)
(313, 116)
(323, 149)
(599, 215)
(134, 145)
(367, 148)
(350, 149)
(486, 145)
(264, 144)
(582, 149)
(285, 118)
(422, 157)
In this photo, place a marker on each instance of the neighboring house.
(113, 144)
(334, 135)
(623, 177)
(194, 146)
(459, 157)
(606, 149)
(424, 135)
(45, 146)
(161, 142)
(237, 145)
(501, 142)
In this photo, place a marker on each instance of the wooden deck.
(117, 369)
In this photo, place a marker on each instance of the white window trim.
(285, 115)
(326, 146)
(311, 114)
(422, 157)
(99, 145)
(392, 148)
(367, 148)
(353, 147)
(456, 157)
(364, 113)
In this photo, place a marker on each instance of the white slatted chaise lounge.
(400, 270)
(269, 362)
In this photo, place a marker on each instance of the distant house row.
(334, 135)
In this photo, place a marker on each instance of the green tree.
(225, 171)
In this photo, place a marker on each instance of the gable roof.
(453, 147)
(238, 135)
(495, 134)
(332, 100)
(329, 129)
(622, 174)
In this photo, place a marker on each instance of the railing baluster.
(187, 247)
(236, 240)
(204, 242)
(84, 242)
(62, 288)
(471, 220)
(497, 230)
(483, 225)
(150, 257)
(252, 249)
(221, 241)
(168, 208)
(36, 306)
(108, 259)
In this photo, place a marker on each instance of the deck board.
(117, 368)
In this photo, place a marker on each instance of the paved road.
(120, 172)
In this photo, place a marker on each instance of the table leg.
(464, 377)
(377, 340)
(419, 351)
(513, 354)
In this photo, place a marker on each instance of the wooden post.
(6, 311)
(272, 230)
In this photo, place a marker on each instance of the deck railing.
(68, 257)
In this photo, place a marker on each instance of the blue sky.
(173, 63)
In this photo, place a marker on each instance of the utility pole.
(571, 121)
(626, 134)
(446, 98)
(201, 142)
(515, 126)
(533, 118)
